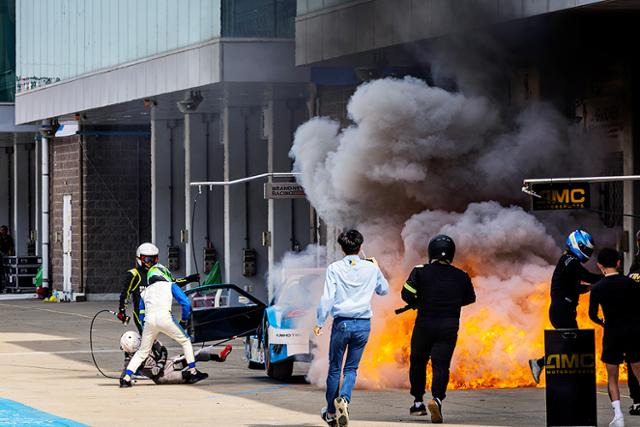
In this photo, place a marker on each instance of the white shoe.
(617, 421)
(535, 370)
(342, 411)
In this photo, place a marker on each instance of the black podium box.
(570, 369)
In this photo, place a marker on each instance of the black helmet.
(441, 248)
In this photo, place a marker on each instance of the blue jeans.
(348, 335)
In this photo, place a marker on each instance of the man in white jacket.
(155, 315)
(349, 286)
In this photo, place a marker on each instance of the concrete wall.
(182, 69)
(167, 151)
(345, 28)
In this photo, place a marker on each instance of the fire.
(493, 346)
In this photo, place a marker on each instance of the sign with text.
(561, 196)
(283, 190)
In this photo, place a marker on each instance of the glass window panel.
(172, 24)
(66, 38)
(7, 51)
(183, 22)
(213, 23)
(161, 25)
(193, 27)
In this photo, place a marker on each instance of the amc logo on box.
(561, 196)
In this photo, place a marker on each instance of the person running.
(438, 290)
(619, 297)
(155, 316)
(567, 283)
(348, 289)
(158, 367)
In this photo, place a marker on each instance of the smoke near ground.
(418, 161)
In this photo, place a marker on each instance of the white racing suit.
(155, 315)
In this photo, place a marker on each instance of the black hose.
(91, 344)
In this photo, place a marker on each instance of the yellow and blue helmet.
(580, 243)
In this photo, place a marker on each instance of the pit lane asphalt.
(46, 364)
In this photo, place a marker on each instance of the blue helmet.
(580, 243)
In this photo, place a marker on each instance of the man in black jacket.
(438, 290)
(147, 256)
(632, 381)
(566, 287)
(619, 297)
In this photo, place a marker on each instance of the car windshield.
(214, 297)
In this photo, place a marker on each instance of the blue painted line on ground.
(254, 391)
(16, 414)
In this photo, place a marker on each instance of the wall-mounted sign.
(283, 190)
(561, 196)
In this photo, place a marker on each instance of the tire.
(280, 371)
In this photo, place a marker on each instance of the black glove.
(183, 324)
(122, 316)
(192, 278)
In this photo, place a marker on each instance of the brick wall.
(65, 168)
(116, 207)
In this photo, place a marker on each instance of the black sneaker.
(190, 378)
(329, 419)
(435, 408)
(125, 383)
(634, 409)
(342, 411)
(418, 410)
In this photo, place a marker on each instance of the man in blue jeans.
(348, 288)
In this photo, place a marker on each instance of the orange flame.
(490, 352)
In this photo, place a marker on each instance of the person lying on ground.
(158, 367)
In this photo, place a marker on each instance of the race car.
(285, 335)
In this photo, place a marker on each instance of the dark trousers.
(1, 272)
(562, 315)
(434, 339)
(634, 387)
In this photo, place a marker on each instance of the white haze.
(418, 161)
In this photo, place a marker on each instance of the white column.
(45, 211)
(37, 168)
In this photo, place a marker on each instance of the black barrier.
(570, 369)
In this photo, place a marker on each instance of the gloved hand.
(192, 278)
(122, 316)
(183, 324)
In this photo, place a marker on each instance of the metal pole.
(249, 178)
(187, 194)
(583, 179)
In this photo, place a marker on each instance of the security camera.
(364, 74)
(48, 128)
(190, 103)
